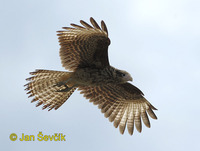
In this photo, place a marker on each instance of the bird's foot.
(59, 84)
(63, 83)
(67, 89)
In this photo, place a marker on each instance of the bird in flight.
(84, 53)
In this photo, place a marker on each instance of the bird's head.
(123, 76)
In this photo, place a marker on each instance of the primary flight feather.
(84, 52)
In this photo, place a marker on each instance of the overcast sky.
(156, 41)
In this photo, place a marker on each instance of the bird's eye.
(122, 74)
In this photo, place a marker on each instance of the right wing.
(84, 46)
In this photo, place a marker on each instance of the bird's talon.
(64, 90)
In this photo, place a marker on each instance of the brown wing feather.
(123, 104)
(94, 23)
(103, 26)
(84, 46)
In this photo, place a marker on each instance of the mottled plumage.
(84, 52)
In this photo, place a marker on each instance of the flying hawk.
(84, 53)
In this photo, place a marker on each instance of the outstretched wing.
(124, 104)
(84, 46)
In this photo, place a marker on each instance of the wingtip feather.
(103, 26)
(86, 25)
(94, 23)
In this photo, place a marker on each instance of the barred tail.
(44, 87)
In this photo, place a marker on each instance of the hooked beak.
(128, 78)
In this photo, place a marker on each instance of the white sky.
(157, 41)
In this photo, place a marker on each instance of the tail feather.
(43, 87)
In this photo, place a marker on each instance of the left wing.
(124, 104)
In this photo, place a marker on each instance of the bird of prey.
(84, 53)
